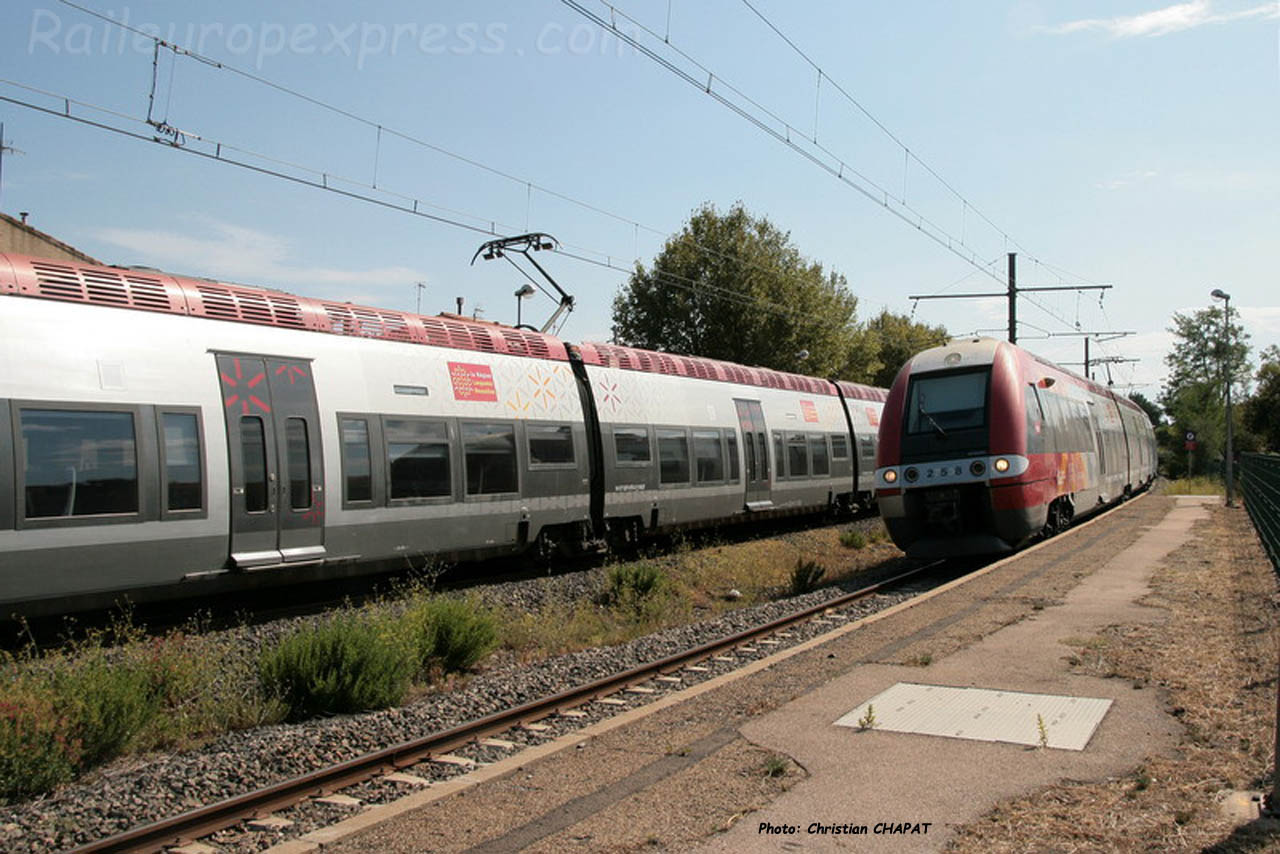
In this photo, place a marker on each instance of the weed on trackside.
(118, 691)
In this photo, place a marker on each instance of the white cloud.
(227, 251)
(1126, 180)
(1161, 22)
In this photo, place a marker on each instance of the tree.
(899, 338)
(1153, 411)
(1194, 391)
(732, 286)
(1262, 411)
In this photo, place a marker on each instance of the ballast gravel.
(140, 790)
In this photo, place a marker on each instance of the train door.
(755, 446)
(277, 472)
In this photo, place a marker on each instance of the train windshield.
(940, 403)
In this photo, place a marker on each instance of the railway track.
(204, 821)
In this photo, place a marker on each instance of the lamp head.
(524, 291)
(1218, 293)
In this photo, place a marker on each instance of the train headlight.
(977, 468)
(1001, 464)
(890, 476)
(912, 474)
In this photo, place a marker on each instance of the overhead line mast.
(1012, 294)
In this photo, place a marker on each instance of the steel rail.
(206, 820)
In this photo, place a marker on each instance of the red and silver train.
(984, 445)
(171, 436)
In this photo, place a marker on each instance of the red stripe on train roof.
(654, 362)
(148, 290)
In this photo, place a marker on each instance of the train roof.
(652, 361)
(166, 293)
(154, 291)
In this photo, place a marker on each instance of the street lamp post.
(1218, 293)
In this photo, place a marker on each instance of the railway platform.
(771, 758)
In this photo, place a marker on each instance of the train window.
(762, 455)
(708, 453)
(867, 447)
(631, 445)
(749, 447)
(183, 462)
(297, 452)
(418, 458)
(954, 401)
(731, 445)
(490, 451)
(818, 451)
(357, 460)
(797, 455)
(253, 456)
(779, 454)
(839, 446)
(79, 463)
(673, 456)
(550, 444)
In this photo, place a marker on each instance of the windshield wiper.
(942, 434)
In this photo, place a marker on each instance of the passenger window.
(631, 445)
(731, 441)
(182, 461)
(797, 456)
(298, 463)
(79, 463)
(779, 454)
(673, 456)
(357, 468)
(839, 446)
(818, 450)
(550, 444)
(418, 458)
(490, 451)
(253, 456)
(709, 454)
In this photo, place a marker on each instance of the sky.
(906, 146)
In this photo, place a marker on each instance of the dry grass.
(1215, 660)
(698, 584)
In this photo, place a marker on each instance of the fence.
(1260, 482)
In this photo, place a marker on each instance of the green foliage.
(352, 662)
(96, 698)
(1194, 393)
(775, 766)
(111, 701)
(38, 746)
(806, 576)
(632, 583)
(732, 286)
(898, 338)
(1262, 411)
(450, 633)
(853, 539)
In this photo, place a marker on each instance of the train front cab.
(958, 484)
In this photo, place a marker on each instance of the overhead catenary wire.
(771, 124)
(380, 129)
(407, 204)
